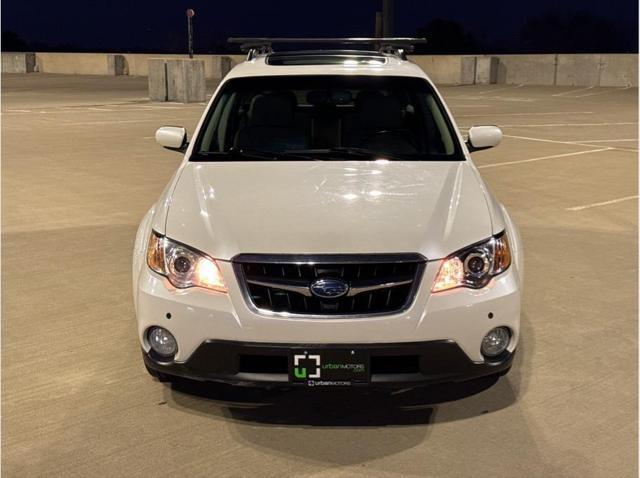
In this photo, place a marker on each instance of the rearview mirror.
(483, 137)
(173, 138)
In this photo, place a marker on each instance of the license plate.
(328, 367)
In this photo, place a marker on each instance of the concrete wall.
(619, 70)
(73, 63)
(600, 70)
(526, 69)
(139, 62)
(561, 69)
(578, 70)
(18, 62)
(135, 64)
(442, 69)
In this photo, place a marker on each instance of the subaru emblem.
(329, 288)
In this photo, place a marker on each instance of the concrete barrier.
(561, 69)
(176, 79)
(186, 80)
(18, 62)
(468, 72)
(486, 70)
(157, 79)
(117, 65)
(526, 69)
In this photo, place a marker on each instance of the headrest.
(317, 97)
(272, 109)
(379, 112)
(341, 97)
(365, 95)
(333, 97)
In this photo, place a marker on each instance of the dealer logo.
(306, 366)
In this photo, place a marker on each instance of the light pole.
(387, 18)
(190, 15)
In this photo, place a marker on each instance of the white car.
(327, 227)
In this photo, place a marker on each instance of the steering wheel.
(400, 139)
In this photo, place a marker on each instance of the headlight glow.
(450, 275)
(183, 266)
(209, 275)
(475, 265)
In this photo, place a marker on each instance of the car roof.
(326, 62)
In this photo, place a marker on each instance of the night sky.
(158, 26)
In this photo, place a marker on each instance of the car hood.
(228, 208)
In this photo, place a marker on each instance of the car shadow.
(358, 407)
(335, 407)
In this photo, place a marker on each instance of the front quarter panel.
(140, 251)
(516, 244)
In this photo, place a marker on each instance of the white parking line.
(558, 125)
(607, 140)
(603, 203)
(92, 123)
(500, 89)
(602, 92)
(117, 108)
(574, 143)
(544, 140)
(22, 112)
(163, 107)
(533, 114)
(67, 110)
(452, 104)
(509, 163)
(573, 91)
(501, 98)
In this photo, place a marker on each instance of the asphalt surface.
(80, 168)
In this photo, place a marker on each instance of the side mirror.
(483, 137)
(173, 138)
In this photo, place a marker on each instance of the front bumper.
(196, 315)
(394, 364)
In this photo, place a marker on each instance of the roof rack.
(393, 46)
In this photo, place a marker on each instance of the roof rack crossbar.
(394, 45)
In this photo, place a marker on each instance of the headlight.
(474, 266)
(182, 265)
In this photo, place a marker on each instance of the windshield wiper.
(338, 152)
(347, 152)
(370, 153)
(238, 153)
(265, 155)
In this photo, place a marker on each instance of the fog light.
(162, 342)
(495, 342)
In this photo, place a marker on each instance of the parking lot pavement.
(80, 168)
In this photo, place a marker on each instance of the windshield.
(325, 117)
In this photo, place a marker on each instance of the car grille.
(377, 284)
